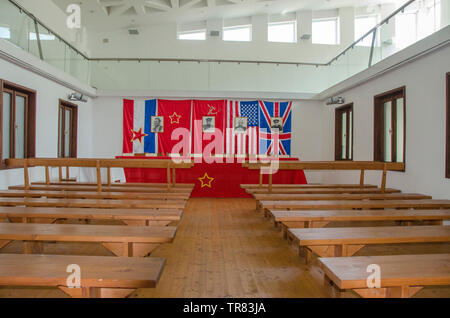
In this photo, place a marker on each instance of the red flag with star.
(177, 114)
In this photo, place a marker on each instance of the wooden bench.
(342, 242)
(121, 240)
(168, 164)
(275, 198)
(356, 204)
(321, 191)
(79, 188)
(307, 186)
(101, 276)
(91, 203)
(401, 275)
(317, 219)
(93, 195)
(118, 184)
(143, 217)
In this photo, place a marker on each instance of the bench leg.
(3, 243)
(331, 287)
(131, 249)
(92, 292)
(346, 250)
(32, 247)
(388, 292)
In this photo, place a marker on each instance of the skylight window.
(238, 33)
(42, 37)
(325, 31)
(283, 32)
(364, 24)
(5, 33)
(192, 35)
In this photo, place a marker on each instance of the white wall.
(425, 125)
(48, 94)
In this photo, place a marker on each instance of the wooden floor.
(223, 248)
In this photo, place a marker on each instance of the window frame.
(292, 22)
(447, 144)
(63, 104)
(236, 27)
(378, 144)
(192, 32)
(29, 120)
(346, 109)
(337, 33)
(377, 35)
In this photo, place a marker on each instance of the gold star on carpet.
(206, 181)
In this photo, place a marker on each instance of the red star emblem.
(212, 110)
(175, 118)
(206, 181)
(138, 135)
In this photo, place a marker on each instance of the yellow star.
(204, 182)
(175, 118)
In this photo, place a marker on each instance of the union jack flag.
(275, 117)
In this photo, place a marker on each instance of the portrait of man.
(240, 125)
(157, 124)
(276, 124)
(209, 124)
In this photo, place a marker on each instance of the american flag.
(242, 143)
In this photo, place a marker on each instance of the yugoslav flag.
(137, 135)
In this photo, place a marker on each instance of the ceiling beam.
(157, 4)
(190, 4)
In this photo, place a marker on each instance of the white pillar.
(259, 28)
(304, 26)
(347, 25)
(445, 13)
(214, 25)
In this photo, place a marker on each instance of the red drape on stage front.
(214, 180)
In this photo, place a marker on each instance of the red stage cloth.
(227, 178)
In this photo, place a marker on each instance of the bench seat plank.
(396, 271)
(321, 191)
(372, 235)
(307, 186)
(93, 203)
(96, 271)
(86, 233)
(92, 214)
(357, 204)
(343, 242)
(128, 184)
(121, 240)
(332, 197)
(93, 195)
(104, 188)
(360, 215)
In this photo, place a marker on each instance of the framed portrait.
(209, 124)
(276, 124)
(157, 124)
(240, 125)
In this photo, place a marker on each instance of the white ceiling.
(107, 15)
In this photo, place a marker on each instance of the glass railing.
(25, 31)
(411, 22)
